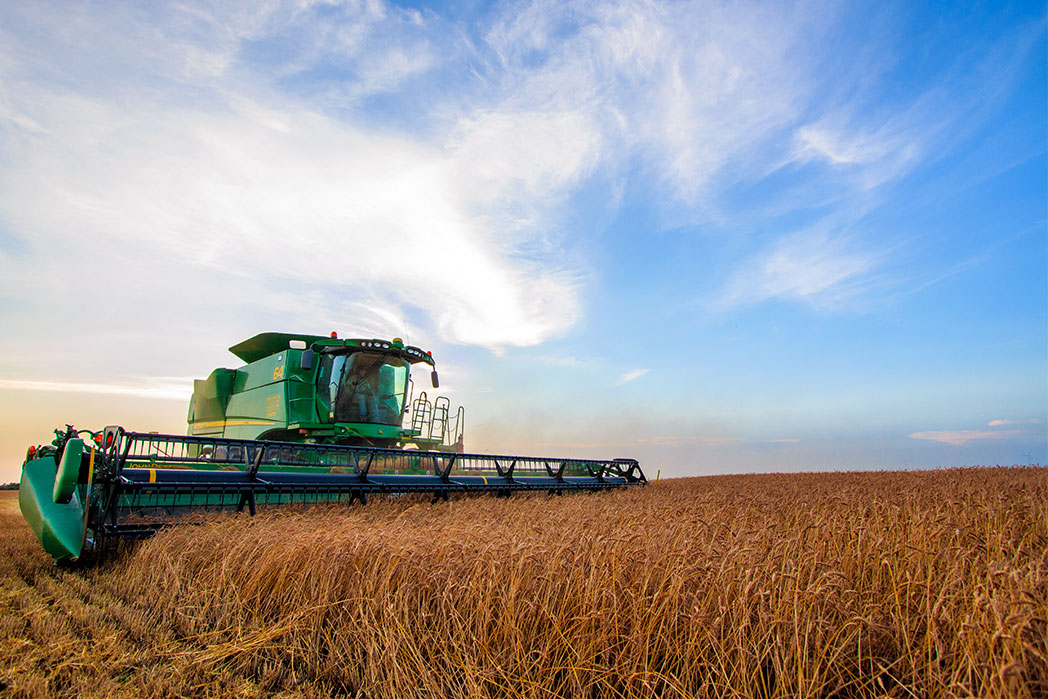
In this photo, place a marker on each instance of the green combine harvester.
(308, 419)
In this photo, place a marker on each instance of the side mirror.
(307, 360)
(436, 381)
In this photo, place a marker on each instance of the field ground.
(8, 502)
(925, 584)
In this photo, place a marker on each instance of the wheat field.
(886, 584)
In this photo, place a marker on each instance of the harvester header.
(307, 419)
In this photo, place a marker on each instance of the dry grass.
(8, 502)
(926, 584)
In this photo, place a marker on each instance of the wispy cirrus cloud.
(231, 151)
(813, 267)
(325, 151)
(855, 142)
(631, 376)
(697, 92)
(863, 159)
(961, 437)
(212, 179)
(259, 194)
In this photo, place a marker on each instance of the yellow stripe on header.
(152, 475)
(228, 423)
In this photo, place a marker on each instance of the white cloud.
(843, 146)
(517, 159)
(997, 423)
(178, 154)
(695, 90)
(814, 267)
(961, 437)
(631, 376)
(380, 45)
(232, 157)
(861, 156)
(258, 194)
(145, 387)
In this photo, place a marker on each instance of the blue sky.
(717, 237)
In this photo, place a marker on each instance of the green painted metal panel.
(219, 500)
(258, 403)
(274, 397)
(301, 401)
(261, 373)
(266, 344)
(211, 395)
(60, 528)
(68, 471)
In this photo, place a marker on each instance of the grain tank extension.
(307, 419)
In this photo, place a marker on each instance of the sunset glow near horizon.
(715, 237)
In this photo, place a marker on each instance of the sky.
(717, 237)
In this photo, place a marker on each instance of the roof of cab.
(265, 344)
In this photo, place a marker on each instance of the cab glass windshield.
(365, 387)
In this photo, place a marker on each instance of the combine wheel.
(68, 471)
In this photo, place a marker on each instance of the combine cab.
(308, 388)
(307, 420)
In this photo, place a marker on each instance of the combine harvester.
(308, 419)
